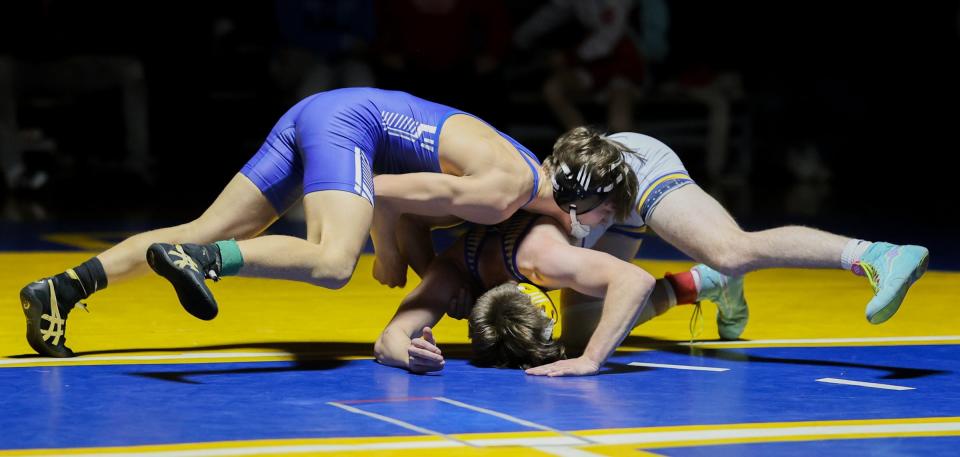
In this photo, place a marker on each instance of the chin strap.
(547, 334)
(578, 230)
(546, 306)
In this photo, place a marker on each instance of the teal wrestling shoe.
(891, 270)
(727, 293)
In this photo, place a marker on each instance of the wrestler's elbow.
(381, 348)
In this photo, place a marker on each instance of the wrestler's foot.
(891, 270)
(186, 266)
(46, 304)
(727, 293)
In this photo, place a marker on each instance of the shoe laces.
(872, 275)
(183, 260)
(696, 321)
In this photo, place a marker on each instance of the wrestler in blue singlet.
(338, 140)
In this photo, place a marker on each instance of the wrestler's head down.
(511, 326)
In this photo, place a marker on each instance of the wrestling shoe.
(186, 266)
(47, 314)
(727, 293)
(891, 270)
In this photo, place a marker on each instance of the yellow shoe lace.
(696, 322)
(871, 273)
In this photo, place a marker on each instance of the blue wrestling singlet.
(338, 140)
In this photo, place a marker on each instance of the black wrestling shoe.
(46, 318)
(186, 266)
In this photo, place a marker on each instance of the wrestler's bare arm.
(403, 342)
(415, 242)
(547, 258)
(479, 198)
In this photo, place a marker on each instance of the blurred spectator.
(324, 45)
(619, 39)
(446, 50)
(60, 49)
(717, 91)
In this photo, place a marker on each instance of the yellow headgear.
(542, 301)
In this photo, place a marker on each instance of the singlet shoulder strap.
(511, 233)
(473, 243)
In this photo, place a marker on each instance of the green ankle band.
(230, 257)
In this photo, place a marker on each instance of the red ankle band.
(683, 286)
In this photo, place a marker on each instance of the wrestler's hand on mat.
(461, 305)
(424, 354)
(390, 270)
(580, 366)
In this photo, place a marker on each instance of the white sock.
(696, 280)
(852, 253)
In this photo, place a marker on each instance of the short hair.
(506, 330)
(588, 146)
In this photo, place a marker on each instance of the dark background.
(871, 88)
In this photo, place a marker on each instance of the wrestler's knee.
(730, 254)
(333, 270)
